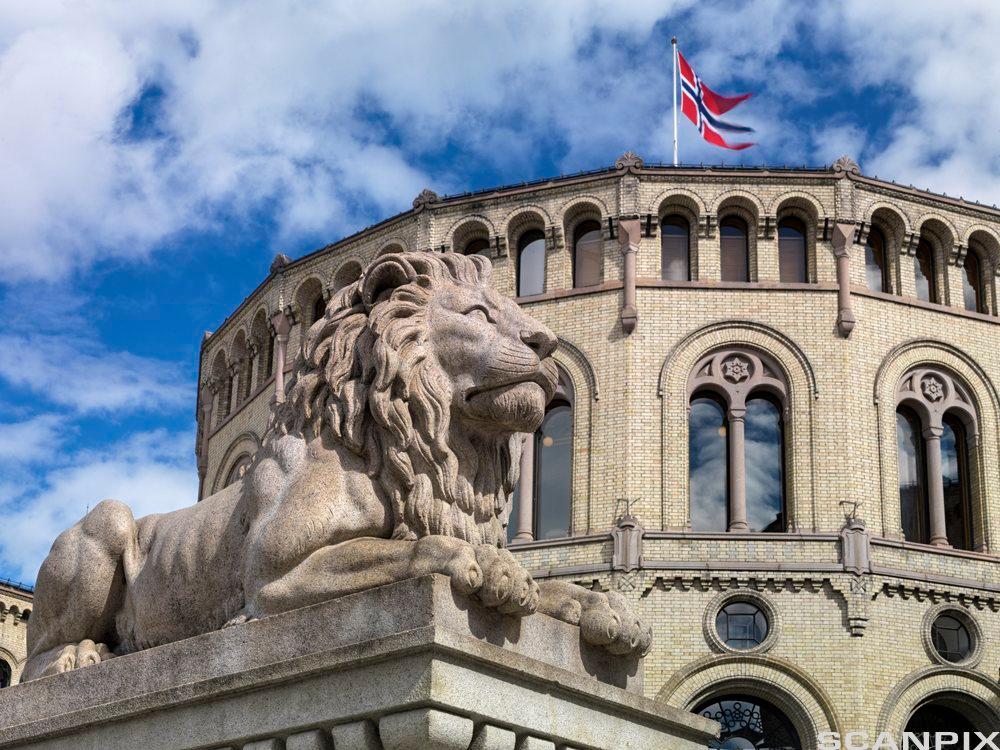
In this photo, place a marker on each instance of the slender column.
(935, 487)
(207, 398)
(842, 240)
(737, 471)
(628, 239)
(526, 493)
(282, 327)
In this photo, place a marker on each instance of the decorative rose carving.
(735, 369)
(845, 165)
(933, 388)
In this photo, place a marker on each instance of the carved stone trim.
(845, 165)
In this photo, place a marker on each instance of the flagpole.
(673, 42)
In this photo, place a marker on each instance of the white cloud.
(83, 375)
(31, 440)
(152, 472)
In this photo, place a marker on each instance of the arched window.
(792, 259)
(750, 722)
(587, 254)
(5, 674)
(923, 272)
(951, 712)
(708, 458)
(912, 476)
(543, 496)
(935, 426)
(477, 246)
(876, 265)
(955, 476)
(736, 443)
(236, 472)
(765, 481)
(318, 308)
(972, 283)
(531, 263)
(675, 249)
(735, 258)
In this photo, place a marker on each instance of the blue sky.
(155, 156)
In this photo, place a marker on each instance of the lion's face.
(497, 358)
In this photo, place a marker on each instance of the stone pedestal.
(410, 666)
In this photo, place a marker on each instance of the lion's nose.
(540, 340)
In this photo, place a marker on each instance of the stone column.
(282, 327)
(842, 240)
(737, 471)
(526, 493)
(629, 230)
(935, 487)
(207, 399)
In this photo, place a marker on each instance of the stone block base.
(410, 666)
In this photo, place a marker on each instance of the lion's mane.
(368, 375)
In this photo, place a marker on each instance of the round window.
(741, 625)
(951, 639)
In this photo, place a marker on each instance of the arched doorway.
(949, 713)
(749, 723)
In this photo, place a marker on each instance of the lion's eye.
(479, 313)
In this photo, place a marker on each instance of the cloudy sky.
(154, 156)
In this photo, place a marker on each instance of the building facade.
(776, 429)
(15, 609)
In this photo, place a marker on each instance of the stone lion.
(394, 455)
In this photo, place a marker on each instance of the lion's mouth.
(538, 378)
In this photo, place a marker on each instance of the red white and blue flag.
(704, 108)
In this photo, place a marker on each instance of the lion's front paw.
(506, 586)
(606, 620)
(82, 654)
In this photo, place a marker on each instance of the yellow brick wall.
(15, 610)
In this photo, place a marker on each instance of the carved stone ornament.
(935, 392)
(425, 198)
(933, 388)
(630, 161)
(280, 261)
(735, 370)
(846, 165)
(262, 545)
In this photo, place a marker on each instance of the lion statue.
(394, 455)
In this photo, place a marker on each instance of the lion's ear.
(384, 275)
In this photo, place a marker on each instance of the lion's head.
(426, 372)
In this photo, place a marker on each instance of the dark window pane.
(708, 469)
(937, 717)
(236, 472)
(764, 475)
(972, 284)
(733, 246)
(912, 477)
(478, 246)
(675, 249)
(553, 473)
(875, 266)
(792, 251)
(741, 625)
(951, 639)
(5, 674)
(923, 272)
(319, 308)
(955, 475)
(587, 254)
(749, 722)
(531, 264)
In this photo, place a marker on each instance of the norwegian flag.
(703, 107)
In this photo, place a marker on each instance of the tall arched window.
(912, 476)
(736, 443)
(765, 482)
(923, 272)
(935, 426)
(5, 674)
(478, 246)
(750, 722)
(587, 254)
(735, 258)
(708, 457)
(955, 476)
(318, 308)
(792, 259)
(543, 496)
(531, 263)
(972, 283)
(237, 470)
(876, 265)
(675, 249)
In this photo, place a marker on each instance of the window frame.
(581, 230)
(524, 240)
(801, 226)
(681, 221)
(735, 221)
